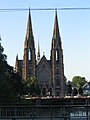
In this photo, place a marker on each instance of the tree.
(3, 62)
(9, 80)
(16, 83)
(74, 92)
(5, 88)
(69, 89)
(79, 81)
(80, 91)
(31, 86)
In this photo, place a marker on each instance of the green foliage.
(69, 89)
(80, 91)
(74, 92)
(79, 81)
(3, 62)
(31, 86)
(16, 83)
(9, 80)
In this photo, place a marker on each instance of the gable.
(43, 72)
(43, 64)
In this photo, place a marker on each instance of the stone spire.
(38, 54)
(57, 61)
(17, 64)
(29, 32)
(29, 58)
(56, 33)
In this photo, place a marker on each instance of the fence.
(45, 112)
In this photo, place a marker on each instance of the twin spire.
(29, 32)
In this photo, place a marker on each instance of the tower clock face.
(44, 75)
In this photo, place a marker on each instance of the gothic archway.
(50, 91)
(44, 91)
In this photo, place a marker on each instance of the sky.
(74, 26)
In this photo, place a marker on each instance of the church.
(49, 73)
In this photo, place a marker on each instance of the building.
(49, 73)
(86, 89)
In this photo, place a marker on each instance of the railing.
(46, 112)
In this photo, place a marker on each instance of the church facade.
(49, 73)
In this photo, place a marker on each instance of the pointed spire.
(38, 49)
(43, 53)
(38, 54)
(29, 33)
(56, 33)
(17, 57)
(17, 64)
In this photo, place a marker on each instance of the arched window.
(57, 55)
(50, 91)
(44, 91)
(29, 54)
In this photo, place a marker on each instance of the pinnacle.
(29, 32)
(56, 27)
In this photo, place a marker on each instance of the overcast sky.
(74, 28)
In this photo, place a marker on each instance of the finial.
(29, 9)
(38, 53)
(17, 56)
(38, 46)
(0, 40)
(56, 9)
(0, 37)
(43, 53)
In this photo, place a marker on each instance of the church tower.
(29, 58)
(57, 61)
(49, 73)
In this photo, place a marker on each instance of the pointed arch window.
(44, 91)
(57, 55)
(29, 54)
(50, 91)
